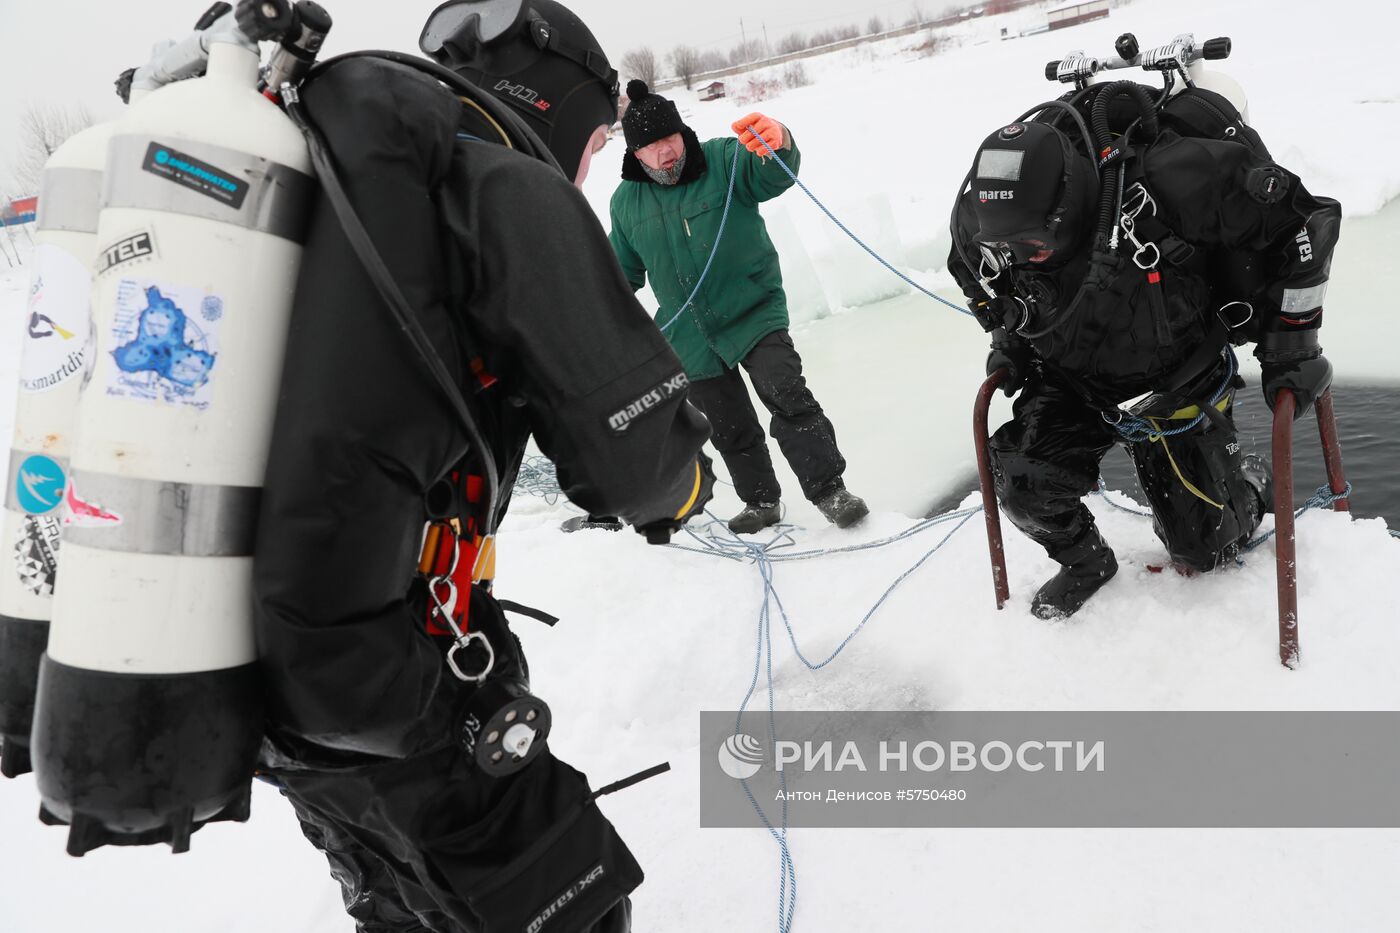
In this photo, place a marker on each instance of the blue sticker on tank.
(162, 353)
(39, 485)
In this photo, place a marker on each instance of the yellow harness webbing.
(1185, 414)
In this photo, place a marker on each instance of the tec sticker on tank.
(36, 553)
(164, 353)
(186, 170)
(133, 249)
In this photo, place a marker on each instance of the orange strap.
(457, 554)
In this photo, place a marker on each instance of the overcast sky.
(72, 50)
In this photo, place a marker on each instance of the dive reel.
(505, 725)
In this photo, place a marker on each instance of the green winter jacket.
(667, 232)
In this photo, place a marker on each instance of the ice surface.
(651, 636)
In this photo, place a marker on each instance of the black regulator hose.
(1061, 108)
(1111, 187)
(1147, 109)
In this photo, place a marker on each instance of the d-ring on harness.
(447, 575)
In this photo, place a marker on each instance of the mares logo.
(1305, 250)
(565, 899)
(621, 420)
(986, 196)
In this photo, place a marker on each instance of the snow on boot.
(841, 508)
(584, 522)
(755, 517)
(1088, 565)
(1260, 475)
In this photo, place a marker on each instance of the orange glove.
(770, 130)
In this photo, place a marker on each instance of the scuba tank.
(148, 719)
(57, 351)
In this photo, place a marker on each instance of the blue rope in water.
(1321, 499)
(728, 200)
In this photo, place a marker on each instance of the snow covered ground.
(652, 636)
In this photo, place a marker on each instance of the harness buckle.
(1229, 321)
(1142, 248)
(463, 642)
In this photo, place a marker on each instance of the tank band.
(145, 516)
(202, 180)
(69, 199)
(39, 485)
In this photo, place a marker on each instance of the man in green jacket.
(665, 217)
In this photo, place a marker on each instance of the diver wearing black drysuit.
(511, 274)
(1215, 244)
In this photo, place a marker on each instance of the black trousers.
(419, 845)
(803, 431)
(431, 844)
(1046, 459)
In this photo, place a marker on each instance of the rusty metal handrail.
(1285, 545)
(984, 478)
(1286, 542)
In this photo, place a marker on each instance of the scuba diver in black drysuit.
(374, 733)
(1114, 247)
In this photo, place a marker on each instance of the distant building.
(1076, 12)
(712, 91)
(19, 212)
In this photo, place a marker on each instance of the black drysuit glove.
(1013, 355)
(1293, 360)
(659, 532)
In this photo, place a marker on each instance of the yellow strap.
(485, 567)
(1176, 469)
(694, 493)
(505, 138)
(1186, 414)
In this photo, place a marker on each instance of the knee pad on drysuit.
(1204, 507)
(1041, 499)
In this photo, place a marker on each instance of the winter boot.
(755, 517)
(1260, 476)
(1088, 565)
(841, 508)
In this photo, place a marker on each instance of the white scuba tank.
(57, 351)
(148, 715)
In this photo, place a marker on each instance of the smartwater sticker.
(57, 320)
(163, 353)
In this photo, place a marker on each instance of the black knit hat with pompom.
(649, 117)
